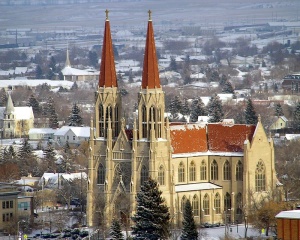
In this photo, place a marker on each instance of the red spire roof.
(108, 76)
(150, 69)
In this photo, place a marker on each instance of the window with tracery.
(195, 205)
(239, 171)
(227, 202)
(206, 204)
(217, 203)
(214, 170)
(101, 174)
(260, 177)
(182, 205)
(227, 170)
(181, 172)
(161, 175)
(144, 174)
(203, 171)
(192, 172)
(144, 121)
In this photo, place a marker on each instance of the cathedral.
(219, 167)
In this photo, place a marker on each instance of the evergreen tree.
(3, 97)
(67, 148)
(187, 70)
(266, 88)
(215, 109)
(26, 158)
(49, 155)
(175, 106)
(189, 229)
(75, 119)
(38, 72)
(11, 153)
(278, 110)
(173, 64)
(32, 102)
(227, 88)
(296, 116)
(197, 109)
(185, 109)
(93, 58)
(250, 114)
(152, 217)
(115, 231)
(275, 87)
(51, 114)
(223, 80)
(74, 86)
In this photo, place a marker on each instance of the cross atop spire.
(108, 76)
(149, 12)
(106, 13)
(150, 77)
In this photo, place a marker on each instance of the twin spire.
(108, 76)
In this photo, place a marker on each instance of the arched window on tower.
(239, 171)
(158, 122)
(214, 170)
(260, 177)
(195, 205)
(181, 172)
(182, 205)
(101, 121)
(203, 171)
(192, 172)
(227, 202)
(161, 175)
(108, 116)
(217, 203)
(144, 174)
(116, 121)
(206, 204)
(144, 121)
(101, 174)
(227, 170)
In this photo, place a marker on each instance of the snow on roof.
(41, 131)
(23, 113)
(292, 214)
(72, 176)
(69, 71)
(196, 187)
(292, 136)
(20, 70)
(207, 153)
(197, 75)
(78, 131)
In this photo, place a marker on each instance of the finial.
(106, 13)
(259, 118)
(149, 12)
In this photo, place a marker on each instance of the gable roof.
(188, 138)
(228, 138)
(78, 131)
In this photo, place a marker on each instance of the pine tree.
(38, 72)
(3, 97)
(75, 119)
(296, 116)
(278, 110)
(173, 64)
(49, 155)
(32, 102)
(227, 88)
(223, 80)
(215, 109)
(175, 106)
(67, 148)
(26, 158)
(250, 114)
(185, 109)
(51, 114)
(197, 109)
(115, 231)
(74, 86)
(189, 229)
(152, 217)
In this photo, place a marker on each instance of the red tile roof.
(150, 77)
(228, 138)
(188, 138)
(108, 77)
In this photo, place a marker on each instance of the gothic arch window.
(203, 171)
(144, 121)
(214, 170)
(227, 202)
(158, 122)
(260, 177)
(144, 174)
(161, 175)
(206, 204)
(101, 174)
(195, 205)
(116, 121)
(192, 172)
(239, 171)
(181, 172)
(182, 205)
(239, 204)
(217, 203)
(227, 170)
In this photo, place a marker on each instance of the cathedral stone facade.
(218, 167)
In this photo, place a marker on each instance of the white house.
(74, 135)
(41, 133)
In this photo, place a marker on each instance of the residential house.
(74, 135)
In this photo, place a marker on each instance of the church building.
(219, 167)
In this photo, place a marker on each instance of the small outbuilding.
(288, 225)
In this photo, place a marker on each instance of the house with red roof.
(214, 165)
